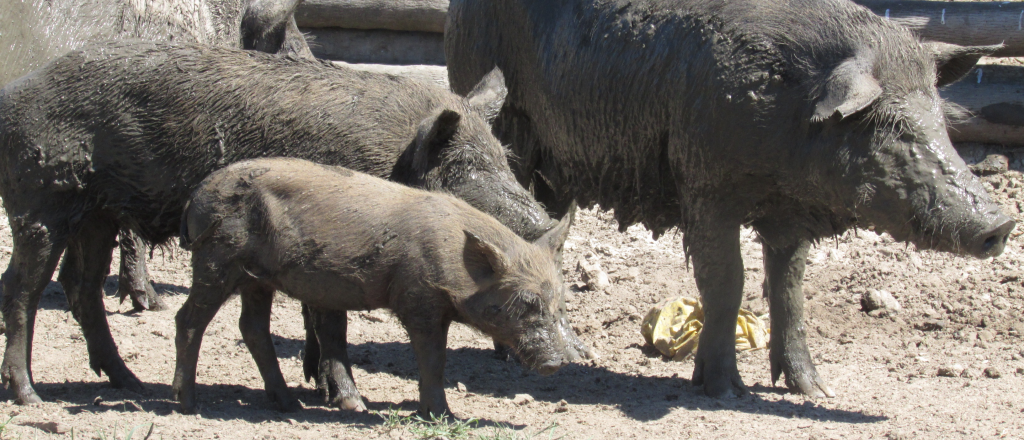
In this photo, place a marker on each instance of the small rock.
(879, 300)
(1020, 371)
(522, 399)
(592, 274)
(993, 164)
(969, 374)
(97, 401)
(562, 407)
(986, 336)
(461, 387)
(929, 325)
(993, 373)
(950, 371)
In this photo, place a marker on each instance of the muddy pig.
(341, 240)
(801, 118)
(35, 32)
(119, 134)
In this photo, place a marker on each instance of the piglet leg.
(784, 275)
(191, 322)
(257, 300)
(429, 341)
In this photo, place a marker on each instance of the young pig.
(341, 240)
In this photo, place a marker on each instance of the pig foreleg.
(713, 245)
(784, 274)
(429, 341)
(335, 380)
(133, 279)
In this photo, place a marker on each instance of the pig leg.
(257, 301)
(713, 243)
(133, 279)
(429, 341)
(335, 381)
(784, 274)
(311, 357)
(86, 265)
(203, 302)
(34, 256)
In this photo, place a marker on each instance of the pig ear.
(555, 237)
(483, 259)
(435, 133)
(849, 89)
(953, 62)
(489, 95)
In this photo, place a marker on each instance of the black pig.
(119, 134)
(802, 118)
(341, 240)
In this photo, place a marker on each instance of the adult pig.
(119, 134)
(342, 240)
(35, 32)
(802, 118)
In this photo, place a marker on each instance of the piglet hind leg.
(257, 301)
(784, 273)
(335, 381)
(714, 247)
(85, 268)
(34, 256)
(191, 321)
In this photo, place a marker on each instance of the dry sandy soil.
(957, 312)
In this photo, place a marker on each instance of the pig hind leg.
(713, 244)
(257, 301)
(784, 273)
(204, 300)
(133, 279)
(335, 380)
(34, 256)
(85, 268)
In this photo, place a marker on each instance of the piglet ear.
(849, 89)
(483, 259)
(435, 133)
(489, 95)
(953, 62)
(555, 237)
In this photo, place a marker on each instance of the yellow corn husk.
(674, 329)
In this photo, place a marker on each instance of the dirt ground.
(958, 314)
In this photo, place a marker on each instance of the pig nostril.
(990, 243)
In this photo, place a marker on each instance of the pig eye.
(492, 311)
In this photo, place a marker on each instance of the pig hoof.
(28, 398)
(717, 383)
(808, 383)
(351, 404)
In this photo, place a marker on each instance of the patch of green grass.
(128, 435)
(3, 426)
(453, 429)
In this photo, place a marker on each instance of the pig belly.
(330, 291)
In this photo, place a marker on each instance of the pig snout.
(992, 241)
(550, 367)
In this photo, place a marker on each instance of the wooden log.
(963, 23)
(377, 46)
(995, 99)
(432, 74)
(397, 15)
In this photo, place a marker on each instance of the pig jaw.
(919, 189)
